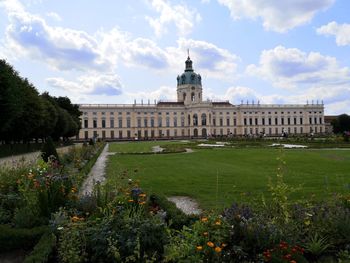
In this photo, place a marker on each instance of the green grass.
(138, 146)
(242, 174)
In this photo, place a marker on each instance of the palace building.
(192, 117)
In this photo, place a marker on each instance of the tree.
(49, 150)
(341, 123)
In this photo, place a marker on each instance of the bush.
(42, 250)
(174, 216)
(16, 238)
(49, 150)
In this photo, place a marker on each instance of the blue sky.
(92, 51)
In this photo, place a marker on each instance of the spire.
(188, 62)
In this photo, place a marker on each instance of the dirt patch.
(186, 204)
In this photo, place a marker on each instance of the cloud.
(340, 31)
(290, 68)
(279, 16)
(54, 16)
(164, 93)
(208, 59)
(92, 84)
(62, 48)
(183, 17)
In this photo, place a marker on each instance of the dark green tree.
(341, 123)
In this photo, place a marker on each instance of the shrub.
(15, 238)
(49, 150)
(42, 250)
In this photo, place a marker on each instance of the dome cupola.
(189, 76)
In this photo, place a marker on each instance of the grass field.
(137, 147)
(218, 177)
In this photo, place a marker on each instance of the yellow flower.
(142, 195)
(210, 244)
(199, 248)
(204, 219)
(205, 234)
(74, 189)
(142, 203)
(218, 249)
(130, 201)
(307, 222)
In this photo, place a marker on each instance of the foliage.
(341, 123)
(43, 249)
(284, 252)
(26, 115)
(49, 151)
(15, 238)
(317, 245)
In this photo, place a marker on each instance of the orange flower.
(223, 245)
(142, 195)
(204, 219)
(218, 222)
(74, 189)
(75, 218)
(218, 249)
(210, 244)
(130, 201)
(199, 248)
(142, 203)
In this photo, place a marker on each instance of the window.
(138, 122)
(250, 121)
(182, 121)
(288, 120)
(128, 123)
(167, 121)
(204, 119)
(145, 123)
(228, 122)
(282, 121)
(320, 121)
(94, 123)
(152, 123)
(86, 135)
(175, 121)
(221, 122)
(86, 123)
(120, 122)
(256, 121)
(111, 113)
(195, 119)
(234, 122)
(315, 120)
(295, 121)
(103, 134)
(95, 134)
(263, 121)
(112, 134)
(245, 121)
(159, 121)
(270, 121)
(301, 121)
(103, 123)
(214, 122)
(310, 120)
(128, 134)
(111, 123)
(120, 134)
(276, 121)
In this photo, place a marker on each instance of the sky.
(117, 51)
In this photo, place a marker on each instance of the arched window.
(192, 96)
(195, 120)
(204, 119)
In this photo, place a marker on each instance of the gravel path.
(186, 205)
(97, 173)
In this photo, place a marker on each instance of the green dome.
(189, 76)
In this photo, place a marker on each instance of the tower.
(189, 85)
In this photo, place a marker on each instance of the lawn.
(138, 146)
(218, 177)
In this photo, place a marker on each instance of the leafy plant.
(317, 245)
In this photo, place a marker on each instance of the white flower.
(60, 228)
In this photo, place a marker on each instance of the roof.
(222, 103)
(166, 103)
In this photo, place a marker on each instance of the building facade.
(192, 117)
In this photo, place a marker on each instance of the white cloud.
(164, 93)
(278, 16)
(208, 59)
(290, 68)
(183, 17)
(91, 84)
(54, 16)
(340, 31)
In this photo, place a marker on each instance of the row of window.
(202, 132)
(247, 121)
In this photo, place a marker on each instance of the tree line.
(26, 115)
